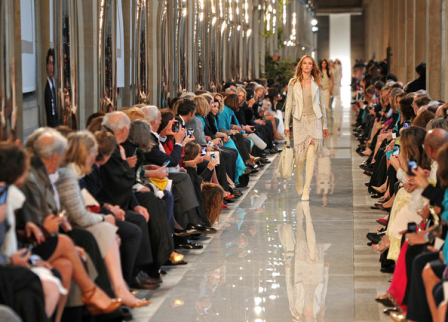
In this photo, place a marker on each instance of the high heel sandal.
(384, 299)
(376, 247)
(383, 200)
(93, 308)
(378, 189)
(140, 303)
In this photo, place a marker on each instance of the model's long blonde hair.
(315, 72)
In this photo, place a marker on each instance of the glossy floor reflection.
(275, 258)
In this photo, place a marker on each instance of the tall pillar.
(420, 32)
(126, 92)
(385, 35)
(401, 49)
(87, 47)
(394, 37)
(410, 40)
(42, 10)
(433, 48)
(444, 58)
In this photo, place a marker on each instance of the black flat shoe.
(374, 237)
(393, 309)
(142, 285)
(201, 228)
(189, 246)
(147, 279)
(169, 263)
(388, 269)
(265, 161)
(385, 302)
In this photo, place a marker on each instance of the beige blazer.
(294, 103)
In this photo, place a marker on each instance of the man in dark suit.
(51, 108)
(185, 200)
(420, 82)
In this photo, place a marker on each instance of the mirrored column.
(65, 61)
(8, 106)
(107, 50)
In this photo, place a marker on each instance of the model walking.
(305, 104)
(327, 82)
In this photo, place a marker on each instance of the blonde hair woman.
(78, 160)
(305, 105)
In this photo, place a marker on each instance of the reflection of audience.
(257, 201)
(306, 271)
(208, 286)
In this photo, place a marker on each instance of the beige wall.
(323, 37)
(416, 32)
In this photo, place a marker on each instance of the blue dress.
(240, 166)
(225, 118)
(444, 215)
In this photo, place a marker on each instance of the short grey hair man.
(151, 113)
(119, 123)
(116, 121)
(49, 143)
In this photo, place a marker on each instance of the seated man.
(185, 200)
(118, 178)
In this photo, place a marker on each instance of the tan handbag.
(287, 159)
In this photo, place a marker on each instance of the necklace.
(307, 78)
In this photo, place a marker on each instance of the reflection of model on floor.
(306, 271)
(324, 179)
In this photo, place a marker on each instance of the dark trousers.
(418, 309)
(184, 198)
(161, 239)
(168, 198)
(230, 156)
(144, 254)
(240, 142)
(131, 238)
(21, 290)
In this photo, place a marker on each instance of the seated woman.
(32, 291)
(78, 161)
(213, 196)
(130, 245)
(215, 142)
(273, 97)
(151, 179)
(260, 117)
(407, 204)
(228, 122)
(230, 150)
(37, 216)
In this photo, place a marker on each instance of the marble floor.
(276, 258)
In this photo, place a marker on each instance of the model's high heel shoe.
(93, 308)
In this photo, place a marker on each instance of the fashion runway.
(276, 258)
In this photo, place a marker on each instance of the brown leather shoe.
(140, 284)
